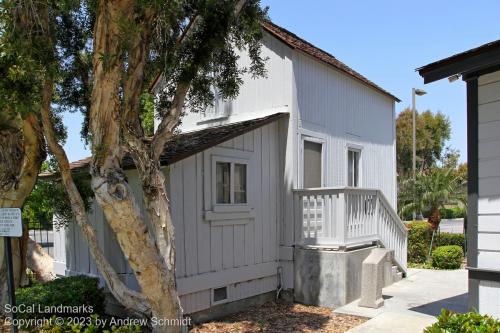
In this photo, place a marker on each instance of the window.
(230, 182)
(223, 182)
(312, 164)
(353, 167)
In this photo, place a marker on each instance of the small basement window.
(230, 182)
(220, 294)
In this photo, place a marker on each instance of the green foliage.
(147, 113)
(445, 238)
(69, 291)
(431, 191)
(447, 257)
(419, 239)
(471, 322)
(452, 213)
(432, 132)
(49, 197)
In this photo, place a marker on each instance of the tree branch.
(172, 120)
(127, 297)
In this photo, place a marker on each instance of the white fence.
(349, 217)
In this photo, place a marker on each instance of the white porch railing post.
(340, 223)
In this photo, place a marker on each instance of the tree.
(21, 139)
(99, 57)
(431, 191)
(432, 132)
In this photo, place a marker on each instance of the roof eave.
(463, 63)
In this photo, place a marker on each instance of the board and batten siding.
(488, 241)
(345, 113)
(258, 96)
(239, 251)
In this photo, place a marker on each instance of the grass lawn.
(282, 317)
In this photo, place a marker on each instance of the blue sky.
(385, 41)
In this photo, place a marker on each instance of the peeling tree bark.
(21, 156)
(132, 300)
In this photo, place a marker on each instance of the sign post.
(10, 226)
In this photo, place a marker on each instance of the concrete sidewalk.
(412, 304)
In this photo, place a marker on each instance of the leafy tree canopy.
(433, 130)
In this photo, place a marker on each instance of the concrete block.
(388, 274)
(372, 278)
(328, 278)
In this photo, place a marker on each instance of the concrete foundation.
(222, 310)
(326, 277)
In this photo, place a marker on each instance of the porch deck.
(346, 217)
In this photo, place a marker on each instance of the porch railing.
(349, 217)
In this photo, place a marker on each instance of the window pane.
(312, 164)
(356, 168)
(240, 183)
(350, 168)
(223, 171)
(353, 168)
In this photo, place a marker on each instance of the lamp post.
(415, 92)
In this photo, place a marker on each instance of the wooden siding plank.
(488, 242)
(216, 248)
(488, 260)
(190, 216)
(489, 92)
(487, 223)
(248, 141)
(489, 112)
(227, 247)
(273, 190)
(489, 187)
(203, 232)
(265, 196)
(239, 142)
(217, 279)
(489, 148)
(489, 168)
(258, 199)
(177, 207)
(239, 245)
(250, 242)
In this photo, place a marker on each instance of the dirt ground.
(277, 318)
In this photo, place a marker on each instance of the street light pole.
(414, 93)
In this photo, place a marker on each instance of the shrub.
(452, 213)
(70, 292)
(447, 257)
(470, 322)
(446, 238)
(419, 240)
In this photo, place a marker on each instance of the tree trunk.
(39, 262)
(132, 300)
(112, 191)
(21, 156)
(434, 219)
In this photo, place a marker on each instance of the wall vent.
(220, 294)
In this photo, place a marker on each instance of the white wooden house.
(304, 158)
(480, 69)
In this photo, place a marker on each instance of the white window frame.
(229, 207)
(219, 111)
(358, 149)
(315, 139)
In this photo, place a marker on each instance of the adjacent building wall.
(236, 249)
(488, 206)
(346, 113)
